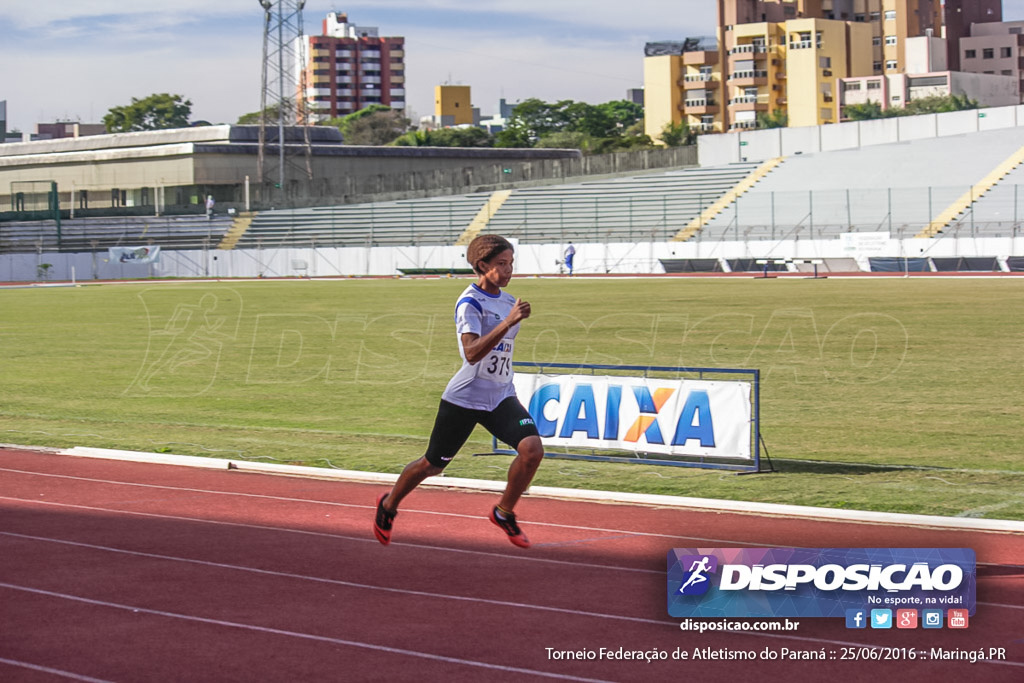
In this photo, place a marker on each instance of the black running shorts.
(509, 422)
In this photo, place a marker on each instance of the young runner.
(481, 392)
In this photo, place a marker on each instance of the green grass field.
(895, 394)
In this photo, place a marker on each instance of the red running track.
(118, 571)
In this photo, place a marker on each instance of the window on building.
(858, 17)
(874, 16)
(890, 15)
(874, 85)
(1015, 31)
(855, 85)
(988, 53)
(891, 65)
(890, 40)
(928, 82)
(825, 62)
(1005, 52)
(970, 54)
(876, 40)
(876, 66)
(1006, 72)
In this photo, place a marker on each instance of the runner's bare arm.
(476, 347)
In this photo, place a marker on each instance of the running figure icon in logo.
(696, 582)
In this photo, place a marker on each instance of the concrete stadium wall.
(366, 179)
(345, 176)
(540, 259)
(759, 145)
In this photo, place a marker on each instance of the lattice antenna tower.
(285, 57)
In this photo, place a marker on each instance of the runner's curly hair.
(484, 248)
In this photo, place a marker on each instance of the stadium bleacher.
(635, 209)
(438, 220)
(92, 234)
(902, 189)
(897, 187)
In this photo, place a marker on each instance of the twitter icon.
(881, 618)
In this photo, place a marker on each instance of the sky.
(74, 61)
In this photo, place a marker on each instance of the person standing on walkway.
(570, 253)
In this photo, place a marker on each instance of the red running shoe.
(510, 527)
(383, 521)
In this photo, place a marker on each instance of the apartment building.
(994, 48)
(928, 74)
(779, 55)
(350, 67)
(959, 15)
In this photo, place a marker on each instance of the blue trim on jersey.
(468, 300)
(484, 292)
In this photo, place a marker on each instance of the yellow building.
(778, 56)
(453, 105)
(892, 22)
(789, 68)
(818, 53)
(663, 99)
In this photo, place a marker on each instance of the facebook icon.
(856, 618)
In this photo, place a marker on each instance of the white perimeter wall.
(759, 145)
(540, 259)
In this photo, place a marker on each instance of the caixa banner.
(682, 417)
(818, 582)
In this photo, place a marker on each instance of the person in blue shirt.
(486, 324)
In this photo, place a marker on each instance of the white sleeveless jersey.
(487, 383)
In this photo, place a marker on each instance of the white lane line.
(677, 502)
(405, 511)
(616, 533)
(304, 636)
(340, 582)
(504, 557)
(55, 672)
(755, 634)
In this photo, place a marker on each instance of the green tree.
(531, 120)
(253, 118)
(566, 139)
(939, 104)
(676, 134)
(379, 128)
(376, 124)
(777, 119)
(156, 112)
(864, 112)
(595, 121)
(925, 105)
(623, 112)
(467, 136)
(579, 125)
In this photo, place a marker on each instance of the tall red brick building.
(350, 67)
